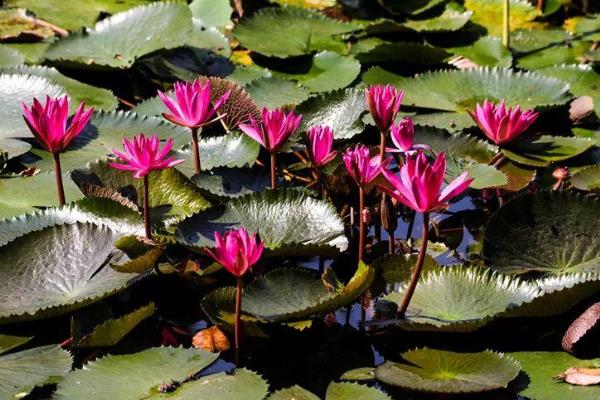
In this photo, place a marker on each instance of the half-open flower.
(320, 141)
(274, 129)
(403, 135)
(383, 103)
(237, 251)
(361, 166)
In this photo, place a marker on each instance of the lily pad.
(587, 178)
(172, 196)
(539, 369)
(543, 150)
(406, 52)
(462, 90)
(587, 26)
(20, 372)
(462, 299)
(448, 372)
(291, 31)
(293, 393)
(452, 122)
(412, 7)
(341, 110)
(351, 390)
(488, 13)
(274, 92)
(450, 20)
(16, 24)
(289, 222)
(117, 41)
(215, 13)
(547, 233)
(111, 331)
(487, 51)
(10, 57)
(13, 147)
(226, 183)
(67, 269)
(398, 268)
(102, 135)
(9, 342)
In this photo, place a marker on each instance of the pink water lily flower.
(276, 127)
(384, 104)
(320, 141)
(143, 155)
(502, 124)
(361, 166)
(191, 106)
(50, 123)
(403, 135)
(419, 183)
(237, 251)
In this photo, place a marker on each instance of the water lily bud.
(389, 218)
(366, 216)
(211, 339)
(561, 173)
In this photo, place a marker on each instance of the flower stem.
(506, 24)
(391, 242)
(381, 145)
(540, 5)
(196, 150)
(361, 223)
(273, 170)
(147, 209)
(417, 271)
(238, 315)
(58, 175)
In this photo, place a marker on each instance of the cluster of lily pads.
(306, 179)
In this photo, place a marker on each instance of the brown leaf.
(580, 108)
(581, 376)
(581, 326)
(211, 339)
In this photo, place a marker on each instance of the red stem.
(381, 145)
(361, 224)
(147, 209)
(196, 150)
(273, 170)
(417, 271)
(58, 175)
(238, 315)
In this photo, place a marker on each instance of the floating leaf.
(462, 90)
(450, 20)
(111, 331)
(15, 24)
(488, 13)
(550, 233)
(350, 390)
(316, 4)
(587, 178)
(462, 299)
(400, 51)
(341, 110)
(9, 342)
(587, 26)
(117, 41)
(10, 57)
(448, 372)
(273, 92)
(452, 122)
(359, 374)
(33, 52)
(539, 369)
(134, 375)
(225, 183)
(291, 31)
(398, 268)
(293, 393)
(541, 151)
(487, 51)
(212, 12)
(242, 384)
(289, 222)
(210, 38)
(172, 195)
(20, 372)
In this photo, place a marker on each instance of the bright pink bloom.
(191, 106)
(384, 104)
(320, 140)
(237, 251)
(50, 123)
(419, 183)
(361, 167)
(502, 124)
(143, 155)
(274, 130)
(403, 135)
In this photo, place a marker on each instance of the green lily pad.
(412, 7)
(450, 20)
(351, 390)
(135, 376)
(587, 178)
(588, 133)
(587, 26)
(13, 147)
(67, 269)
(329, 71)
(274, 92)
(291, 31)
(398, 268)
(315, 4)
(488, 13)
(289, 222)
(9, 342)
(242, 384)
(111, 331)
(29, 193)
(104, 134)
(549, 233)
(10, 57)
(15, 89)
(32, 51)
(448, 372)
(22, 371)
(215, 13)
(117, 41)
(231, 150)
(487, 51)
(407, 52)
(341, 110)
(226, 183)
(543, 150)
(208, 37)
(570, 52)
(462, 90)
(462, 299)
(539, 369)
(452, 122)
(293, 393)
(100, 99)
(359, 374)
(172, 196)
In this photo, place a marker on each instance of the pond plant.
(294, 199)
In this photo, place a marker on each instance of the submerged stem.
(418, 267)
(196, 150)
(238, 314)
(273, 170)
(59, 182)
(147, 208)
